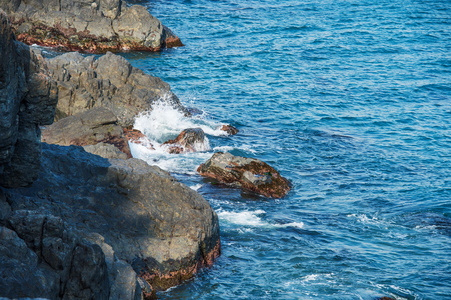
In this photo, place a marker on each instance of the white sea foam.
(164, 122)
(252, 218)
(196, 187)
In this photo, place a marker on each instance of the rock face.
(136, 213)
(93, 26)
(97, 125)
(189, 140)
(27, 99)
(111, 82)
(41, 257)
(88, 227)
(248, 173)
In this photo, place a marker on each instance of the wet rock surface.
(93, 26)
(109, 81)
(229, 129)
(137, 137)
(189, 140)
(248, 173)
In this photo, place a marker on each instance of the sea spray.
(164, 122)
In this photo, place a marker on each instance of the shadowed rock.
(93, 26)
(162, 228)
(41, 257)
(248, 173)
(28, 97)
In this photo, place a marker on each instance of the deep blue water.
(351, 101)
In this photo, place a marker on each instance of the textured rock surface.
(189, 140)
(97, 125)
(110, 81)
(27, 99)
(105, 150)
(162, 228)
(248, 173)
(41, 257)
(88, 25)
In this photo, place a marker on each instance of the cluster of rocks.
(93, 26)
(89, 227)
(79, 217)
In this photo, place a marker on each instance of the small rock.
(229, 129)
(189, 140)
(248, 173)
(137, 137)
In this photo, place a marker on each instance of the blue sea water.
(351, 101)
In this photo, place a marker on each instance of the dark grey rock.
(27, 99)
(111, 82)
(162, 228)
(105, 150)
(97, 125)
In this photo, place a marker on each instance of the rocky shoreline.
(79, 217)
(94, 26)
(74, 224)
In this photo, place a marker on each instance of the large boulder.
(160, 227)
(91, 127)
(109, 81)
(248, 173)
(28, 97)
(93, 26)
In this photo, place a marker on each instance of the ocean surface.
(349, 100)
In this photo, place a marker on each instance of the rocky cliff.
(28, 97)
(88, 227)
(93, 26)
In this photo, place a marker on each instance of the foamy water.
(253, 219)
(163, 123)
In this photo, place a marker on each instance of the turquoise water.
(351, 101)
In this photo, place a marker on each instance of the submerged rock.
(160, 227)
(189, 140)
(97, 125)
(248, 173)
(28, 97)
(88, 25)
(111, 82)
